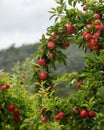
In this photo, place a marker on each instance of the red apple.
(57, 117)
(83, 113)
(16, 112)
(89, 26)
(41, 61)
(51, 55)
(97, 16)
(91, 114)
(88, 45)
(66, 44)
(93, 41)
(43, 75)
(88, 36)
(84, 33)
(11, 107)
(78, 85)
(3, 87)
(94, 48)
(61, 114)
(51, 45)
(7, 86)
(16, 119)
(99, 27)
(44, 120)
(70, 29)
(96, 34)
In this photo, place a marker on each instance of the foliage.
(42, 109)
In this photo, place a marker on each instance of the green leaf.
(52, 16)
(70, 2)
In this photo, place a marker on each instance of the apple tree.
(16, 102)
(79, 22)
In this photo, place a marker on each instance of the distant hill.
(9, 57)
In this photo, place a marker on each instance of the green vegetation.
(29, 95)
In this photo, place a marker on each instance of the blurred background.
(23, 21)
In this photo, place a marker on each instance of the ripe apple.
(51, 55)
(51, 45)
(84, 33)
(91, 114)
(70, 29)
(99, 27)
(7, 86)
(3, 87)
(11, 107)
(16, 112)
(78, 85)
(66, 44)
(89, 26)
(57, 117)
(94, 48)
(88, 36)
(43, 75)
(83, 113)
(16, 119)
(44, 120)
(93, 41)
(88, 45)
(61, 114)
(96, 35)
(41, 61)
(97, 16)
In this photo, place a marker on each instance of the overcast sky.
(23, 21)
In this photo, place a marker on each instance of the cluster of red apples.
(60, 115)
(51, 45)
(5, 87)
(11, 107)
(15, 112)
(84, 113)
(80, 83)
(93, 32)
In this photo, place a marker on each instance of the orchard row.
(10, 107)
